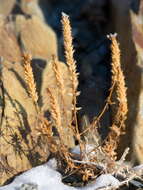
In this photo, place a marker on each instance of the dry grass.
(58, 76)
(72, 68)
(29, 78)
(55, 113)
(120, 116)
(104, 157)
(61, 86)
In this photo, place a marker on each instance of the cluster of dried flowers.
(102, 157)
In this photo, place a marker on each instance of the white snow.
(88, 151)
(44, 176)
(47, 178)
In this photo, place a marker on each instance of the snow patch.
(45, 177)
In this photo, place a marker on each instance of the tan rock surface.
(20, 146)
(9, 48)
(6, 6)
(36, 37)
(31, 7)
(26, 34)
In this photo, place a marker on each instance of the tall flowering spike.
(29, 77)
(118, 80)
(58, 75)
(69, 52)
(115, 57)
(60, 85)
(56, 113)
(118, 76)
(55, 110)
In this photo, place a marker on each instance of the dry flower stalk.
(55, 112)
(67, 34)
(45, 126)
(66, 155)
(57, 118)
(118, 125)
(62, 90)
(60, 84)
(58, 75)
(29, 78)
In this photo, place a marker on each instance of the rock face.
(9, 48)
(26, 34)
(19, 145)
(129, 28)
(6, 6)
(31, 7)
(36, 37)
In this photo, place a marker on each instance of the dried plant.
(29, 78)
(55, 112)
(60, 86)
(91, 160)
(118, 81)
(72, 68)
(101, 157)
(58, 76)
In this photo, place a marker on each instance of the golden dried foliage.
(55, 111)
(60, 85)
(58, 111)
(58, 75)
(29, 78)
(57, 118)
(69, 52)
(107, 152)
(44, 126)
(118, 81)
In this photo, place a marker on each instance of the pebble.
(29, 187)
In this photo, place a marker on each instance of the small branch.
(100, 166)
